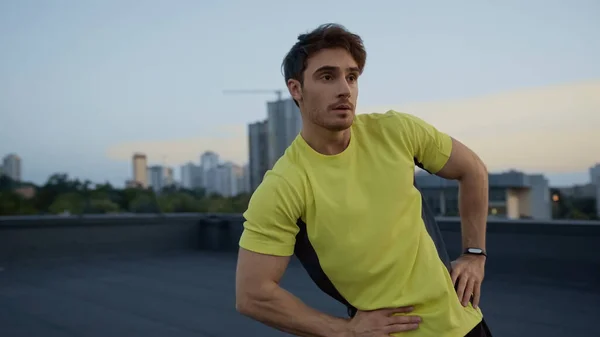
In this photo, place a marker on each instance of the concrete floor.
(192, 294)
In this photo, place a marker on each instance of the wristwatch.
(475, 251)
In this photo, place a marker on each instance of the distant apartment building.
(512, 195)
(160, 177)
(192, 176)
(258, 150)
(209, 162)
(284, 124)
(230, 179)
(245, 180)
(188, 175)
(209, 159)
(140, 170)
(11, 167)
(595, 181)
(225, 179)
(169, 176)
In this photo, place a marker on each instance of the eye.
(352, 78)
(327, 77)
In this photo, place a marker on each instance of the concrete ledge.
(24, 238)
(551, 227)
(556, 249)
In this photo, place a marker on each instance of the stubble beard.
(319, 118)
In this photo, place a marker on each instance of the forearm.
(473, 203)
(280, 309)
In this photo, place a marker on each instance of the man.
(342, 198)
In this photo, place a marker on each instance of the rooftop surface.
(192, 294)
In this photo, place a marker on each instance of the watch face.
(475, 250)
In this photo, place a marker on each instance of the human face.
(327, 97)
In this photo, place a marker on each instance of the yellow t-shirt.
(362, 217)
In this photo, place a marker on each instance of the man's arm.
(466, 167)
(440, 154)
(259, 296)
(265, 248)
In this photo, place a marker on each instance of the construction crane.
(278, 92)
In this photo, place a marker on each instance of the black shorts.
(480, 330)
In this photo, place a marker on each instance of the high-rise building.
(229, 178)
(160, 177)
(169, 176)
(11, 167)
(245, 179)
(209, 160)
(285, 123)
(140, 169)
(258, 150)
(197, 177)
(209, 163)
(155, 175)
(188, 175)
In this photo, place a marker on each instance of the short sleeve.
(270, 220)
(430, 147)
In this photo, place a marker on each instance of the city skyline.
(114, 82)
(591, 173)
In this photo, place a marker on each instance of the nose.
(343, 89)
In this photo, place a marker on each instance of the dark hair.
(326, 36)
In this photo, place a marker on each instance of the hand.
(380, 323)
(468, 270)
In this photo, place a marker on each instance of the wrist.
(341, 328)
(475, 251)
(474, 257)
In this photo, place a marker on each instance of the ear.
(295, 89)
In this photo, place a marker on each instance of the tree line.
(61, 194)
(569, 207)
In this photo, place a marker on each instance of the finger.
(462, 284)
(476, 294)
(468, 292)
(454, 276)
(400, 328)
(403, 319)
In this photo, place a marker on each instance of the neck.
(325, 141)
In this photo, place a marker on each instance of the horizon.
(557, 180)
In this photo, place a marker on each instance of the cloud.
(231, 146)
(545, 129)
(233, 129)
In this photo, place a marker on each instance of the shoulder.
(285, 179)
(289, 168)
(390, 126)
(390, 118)
(398, 125)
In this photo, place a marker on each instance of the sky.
(84, 84)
